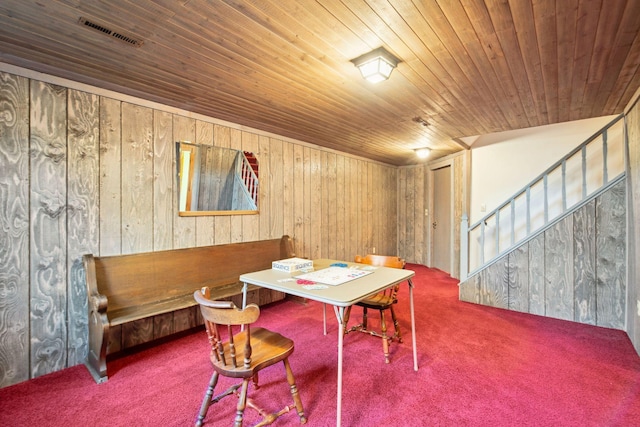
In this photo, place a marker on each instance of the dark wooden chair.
(242, 354)
(381, 301)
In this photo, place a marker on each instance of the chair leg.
(396, 324)
(242, 403)
(347, 313)
(207, 399)
(364, 318)
(385, 339)
(294, 391)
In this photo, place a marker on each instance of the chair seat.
(377, 302)
(381, 301)
(268, 348)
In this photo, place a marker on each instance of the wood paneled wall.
(83, 173)
(632, 121)
(575, 270)
(415, 190)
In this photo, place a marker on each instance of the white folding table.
(338, 296)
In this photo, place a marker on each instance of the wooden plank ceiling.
(468, 67)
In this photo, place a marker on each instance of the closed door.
(441, 221)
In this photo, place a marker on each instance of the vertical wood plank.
(471, 289)
(363, 219)
(204, 224)
(251, 223)
(633, 222)
(519, 279)
(324, 202)
(584, 263)
(537, 294)
(340, 209)
(331, 217)
(82, 212)
(137, 178)
(378, 206)
(299, 200)
(402, 213)
(279, 192)
(288, 190)
(164, 180)
(222, 224)
(558, 272)
(14, 235)
(315, 206)
(352, 228)
(495, 284)
(611, 252)
(367, 208)
(48, 263)
(392, 216)
(409, 201)
(184, 228)
(267, 184)
(235, 142)
(418, 218)
(110, 177)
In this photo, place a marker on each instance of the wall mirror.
(216, 180)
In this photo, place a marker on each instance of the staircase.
(247, 173)
(253, 162)
(556, 248)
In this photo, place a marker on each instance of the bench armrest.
(96, 360)
(286, 247)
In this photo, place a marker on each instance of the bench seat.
(137, 298)
(129, 314)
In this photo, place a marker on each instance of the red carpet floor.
(478, 367)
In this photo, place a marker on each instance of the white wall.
(503, 163)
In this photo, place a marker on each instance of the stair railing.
(586, 171)
(248, 177)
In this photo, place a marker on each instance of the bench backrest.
(129, 280)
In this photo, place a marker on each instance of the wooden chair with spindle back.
(242, 354)
(381, 301)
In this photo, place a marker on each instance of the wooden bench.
(137, 298)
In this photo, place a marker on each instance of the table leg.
(244, 295)
(413, 327)
(340, 316)
(244, 299)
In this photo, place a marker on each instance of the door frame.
(431, 172)
(460, 195)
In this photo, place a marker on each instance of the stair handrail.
(466, 230)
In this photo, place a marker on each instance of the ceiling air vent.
(107, 31)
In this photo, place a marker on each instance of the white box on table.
(291, 265)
